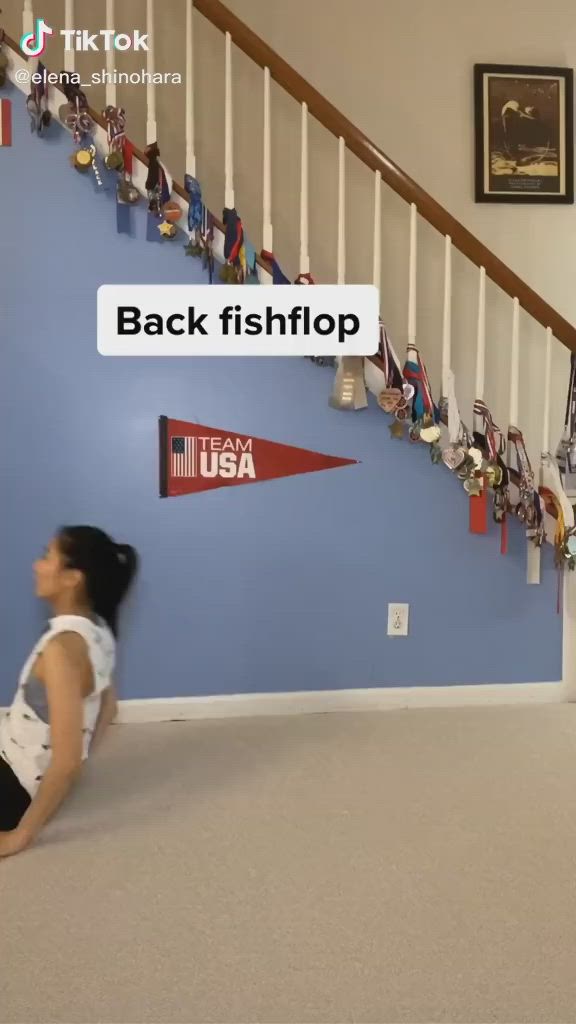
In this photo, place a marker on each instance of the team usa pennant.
(5, 122)
(196, 458)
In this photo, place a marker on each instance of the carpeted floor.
(411, 866)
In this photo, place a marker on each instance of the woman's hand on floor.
(13, 842)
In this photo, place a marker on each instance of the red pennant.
(196, 458)
(479, 511)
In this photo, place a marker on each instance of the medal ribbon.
(493, 434)
(525, 473)
(415, 373)
(79, 121)
(115, 118)
(128, 155)
(39, 95)
(195, 205)
(550, 498)
(495, 446)
(565, 452)
(392, 368)
(529, 509)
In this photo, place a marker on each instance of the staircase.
(498, 287)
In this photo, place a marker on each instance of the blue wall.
(268, 587)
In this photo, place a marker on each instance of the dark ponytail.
(108, 568)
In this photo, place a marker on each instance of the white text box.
(237, 320)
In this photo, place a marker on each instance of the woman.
(65, 698)
(516, 133)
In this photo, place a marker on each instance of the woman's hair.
(108, 568)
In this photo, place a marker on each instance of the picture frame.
(524, 129)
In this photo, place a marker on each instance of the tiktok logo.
(33, 43)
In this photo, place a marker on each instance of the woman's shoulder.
(95, 633)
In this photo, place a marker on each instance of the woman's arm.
(64, 662)
(107, 714)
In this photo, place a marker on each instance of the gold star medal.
(167, 230)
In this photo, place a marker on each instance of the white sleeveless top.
(25, 729)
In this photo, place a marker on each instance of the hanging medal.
(153, 180)
(425, 414)
(566, 452)
(159, 190)
(489, 444)
(455, 456)
(82, 128)
(564, 537)
(208, 254)
(233, 270)
(37, 104)
(115, 118)
(397, 393)
(126, 192)
(528, 508)
(196, 239)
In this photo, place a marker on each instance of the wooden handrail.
(366, 151)
(331, 118)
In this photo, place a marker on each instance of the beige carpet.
(398, 867)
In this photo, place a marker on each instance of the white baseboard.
(323, 702)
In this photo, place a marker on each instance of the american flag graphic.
(5, 122)
(183, 456)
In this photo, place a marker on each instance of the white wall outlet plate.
(398, 619)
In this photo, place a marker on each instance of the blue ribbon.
(195, 205)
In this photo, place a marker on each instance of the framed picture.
(524, 134)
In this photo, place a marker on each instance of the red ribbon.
(128, 154)
(504, 536)
(478, 508)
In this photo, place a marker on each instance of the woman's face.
(52, 577)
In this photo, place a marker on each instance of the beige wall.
(402, 71)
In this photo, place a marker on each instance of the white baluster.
(110, 85)
(412, 276)
(515, 363)
(69, 55)
(341, 273)
(27, 18)
(28, 29)
(481, 336)
(304, 252)
(533, 568)
(377, 244)
(267, 229)
(447, 317)
(532, 552)
(151, 129)
(190, 151)
(547, 381)
(228, 130)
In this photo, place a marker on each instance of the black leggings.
(14, 800)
